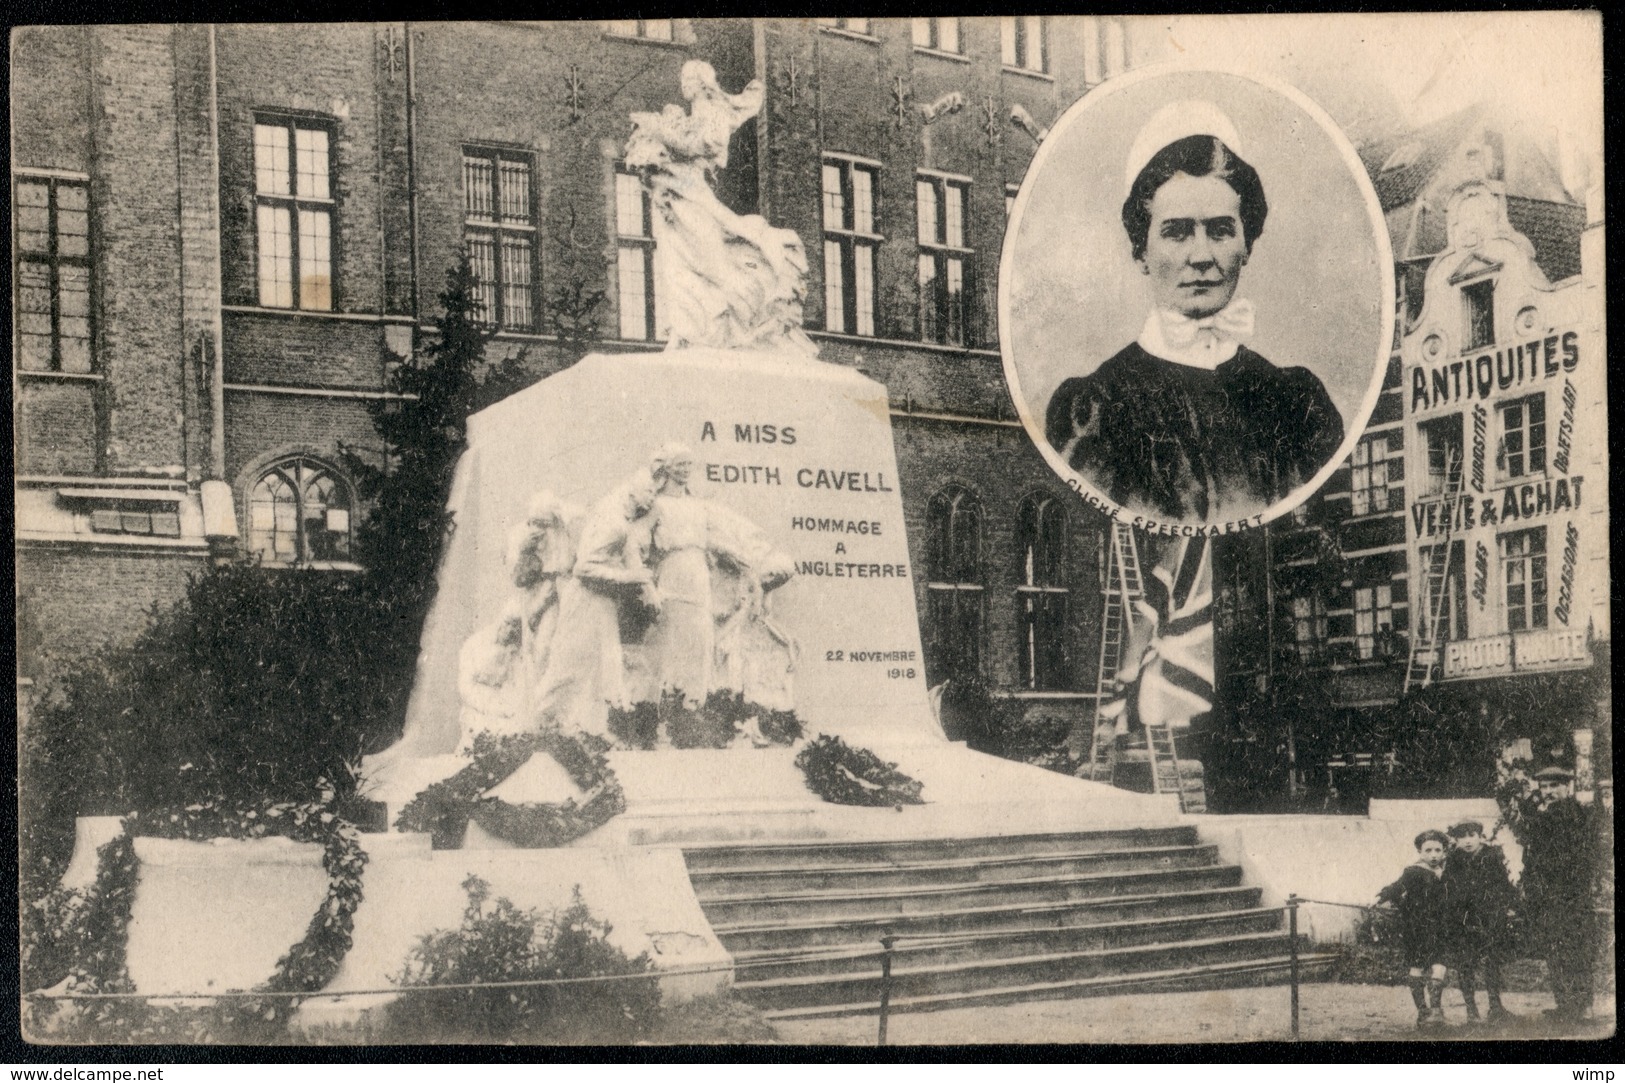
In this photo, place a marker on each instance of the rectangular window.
(1523, 564)
(53, 275)
(635, 258)
(851, 26)
(849, 246)
(499, 231)
(293, 194)
(1523, 437)
(1441, 440)
(1478, 308)
(1024, 42)
(1374, 621)
(1308, 627)
(1377, 464)
(939, 34)
(940, 211)
(651, 29)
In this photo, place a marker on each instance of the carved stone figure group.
(652, 594)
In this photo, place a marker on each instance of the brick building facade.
(226, 234)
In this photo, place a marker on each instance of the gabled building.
(1363, 612)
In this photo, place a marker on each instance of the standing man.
(1561, 847)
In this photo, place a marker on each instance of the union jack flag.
(1166, 678)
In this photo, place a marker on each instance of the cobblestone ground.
(1326, 1013)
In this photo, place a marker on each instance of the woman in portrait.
(1187, 423)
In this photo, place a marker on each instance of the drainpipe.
(217, 373)
(219, 508)
(412, 170)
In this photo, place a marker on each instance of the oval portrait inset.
(1196, 298)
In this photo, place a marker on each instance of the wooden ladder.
(1123, 589)
(1166, 776)
(1427, 642)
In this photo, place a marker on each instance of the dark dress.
(1189, 444)
(1419, 896)
(1478, 892)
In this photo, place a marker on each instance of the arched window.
(954, 584)
(299, 512)
(1042, 598)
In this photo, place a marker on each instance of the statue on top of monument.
(725, 280)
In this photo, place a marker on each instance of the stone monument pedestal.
(801, 450)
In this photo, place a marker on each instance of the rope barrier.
(238, 994)
(919, 939)
(1350, 906)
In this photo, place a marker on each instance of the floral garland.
(103, 920)
(843, 775)
(444, 809)
(716, 723)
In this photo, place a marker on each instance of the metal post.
(1292, 948)
(885, 984)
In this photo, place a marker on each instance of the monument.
(640, 538)
(688, 563)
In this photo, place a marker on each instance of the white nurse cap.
(1173, 122)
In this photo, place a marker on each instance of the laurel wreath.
(843, 775)
(102, 919)
(444, 809)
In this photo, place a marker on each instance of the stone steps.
(977, 975)
(730, 882)
(871, 851)
(950, 949)
(809, 905)
(846, 853)
(869, 928)
(981, 920)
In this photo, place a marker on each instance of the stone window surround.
(261, 465)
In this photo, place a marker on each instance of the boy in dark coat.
(1419, 896)
(1479, 898)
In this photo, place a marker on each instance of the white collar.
(1206, 343)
